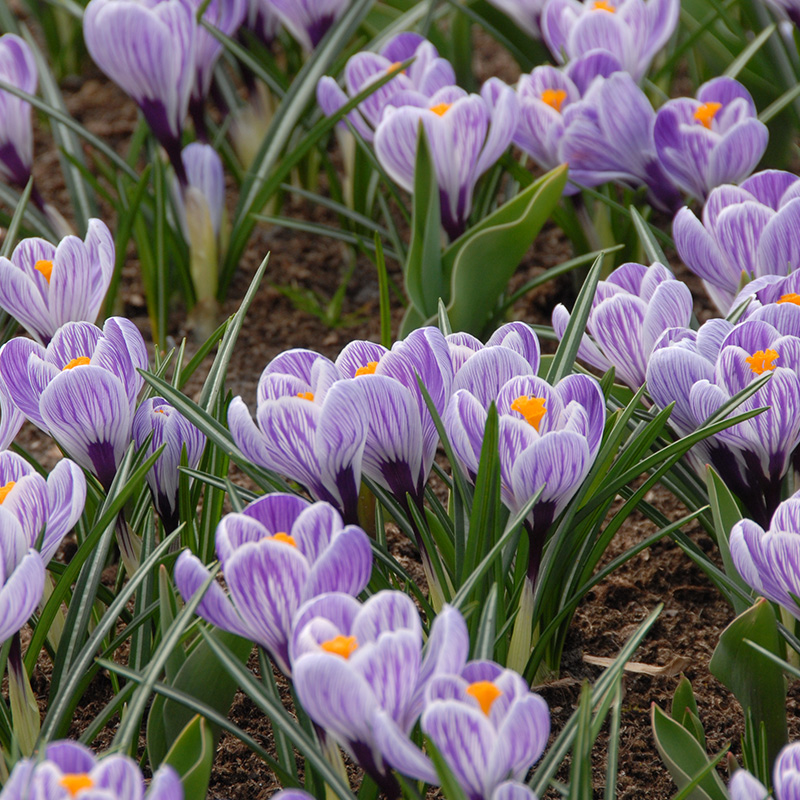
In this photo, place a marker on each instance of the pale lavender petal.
(399, 751)
(488, 371)
(166, 785)
(386, 611)
(345, 566)
(744, 786)
(20, 594)
(521, 738)
(66, 494)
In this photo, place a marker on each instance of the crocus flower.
(17, 67)
(309, 20)
(170, 428)
(467, 134)
(525, 13)
(425, 76)
(632, 30)
(70, 770)
(356, 666)
(711, 140)
(766, 290)
(630, 310)
(278, 553)
(608, 136)
(53, 505)
(700, 372)
(515, 336)
(486, 723)
(148, 48)
(22, 574)
(227, 17)
(308, 427)
(747, 231)
(81, 389)
(43, 286)
(11, 418)
(785, 778)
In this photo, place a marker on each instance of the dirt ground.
(694, 613)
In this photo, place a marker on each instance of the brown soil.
(694, 614)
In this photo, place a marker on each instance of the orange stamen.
(603, 5)
(285, 538)
(368, 370)
(80, 361)
(761, 361)
(790, 298)
(343, 646)
(395, 67)
(532, 408)
(440, 108)
(45, 267)
(76, 782)
(4, 490)
(306, 396)
(706, 113)
(485, 692)
(554, 98)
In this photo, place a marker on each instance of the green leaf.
(451, 788)
(684, 710)
(580, 778)
(423, 267)
(192, 755)
(684, 758)
(481, 262)
(651, 246)
(756, 681)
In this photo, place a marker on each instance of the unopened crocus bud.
(17, 67)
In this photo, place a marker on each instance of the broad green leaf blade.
(481, 262)
(651, 246)
(757, 682)
(192, 755)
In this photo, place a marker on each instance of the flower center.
(792, 297)
(4, 490)
(76, 782)
(440, 108)
(80, 361)
(532, 408)
(368, 370)
(761, 361)
(343, 646)
(281, 536)
(394, 68)
(706, 113)
(603, 5)
(306, 396)
(554, 98)
(485, 692)
(45, 267)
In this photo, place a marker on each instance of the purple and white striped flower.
(68, 770)
(43, 286)
(608, 136)
(711, 140)
(309, 20)
(227, 17)
(747, 232)
(486, 723)
(632, 30)
(11, 418)
(81, 389)
(202, 201)
(22, 575)
(17, 67)
(766, 290)
(53, 505)
(415, 85)
(467, 134)
(170, 428)
(309, 428)
(148, 48)
(356, 666)
(514, 336)
(280, 552)
(785, 779)
(630, 311)
(701, 371)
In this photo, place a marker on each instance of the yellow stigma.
(285, 538)
(485, 692)
(761, 361)
(306, 396)
(76, 782)
(368, 370)
(554, 98)
(532, 408)
(440, 108)
(343, 646)
(395, 67)
(45, 267)
(4, 490)
(80, 361)
(706, 113)
(603, 5)
(790, 298)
